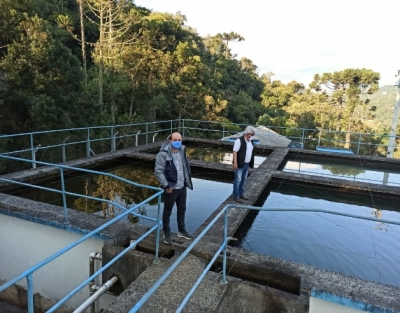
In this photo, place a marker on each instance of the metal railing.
(84, 142)
(222, 248)
(28, 274)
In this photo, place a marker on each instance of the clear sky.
(296, 39)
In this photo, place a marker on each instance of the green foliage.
(148, 66)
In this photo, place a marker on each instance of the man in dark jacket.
(243, 158)
(173, 172)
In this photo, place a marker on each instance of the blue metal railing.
(89, 136)
(223, 247)
(28, 274)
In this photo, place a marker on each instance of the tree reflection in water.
(108, 188)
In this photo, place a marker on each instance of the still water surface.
(362, 171)
(210, 190)
(366, 249)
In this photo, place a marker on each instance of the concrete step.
(7, 308)
(169, 295)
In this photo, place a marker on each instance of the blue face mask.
(176, 144)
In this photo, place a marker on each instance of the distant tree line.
(74, 63)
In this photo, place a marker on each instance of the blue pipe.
(225, 241)
(29, 283)
(63, 196)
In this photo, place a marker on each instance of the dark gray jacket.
(165, 169)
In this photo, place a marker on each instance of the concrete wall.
(24, 244)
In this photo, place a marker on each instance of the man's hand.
(235, 166)
(169, 190)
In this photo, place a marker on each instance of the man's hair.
(250, 130)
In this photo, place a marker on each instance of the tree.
(345, 87)
(227, 38)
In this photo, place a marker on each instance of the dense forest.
(74, 63)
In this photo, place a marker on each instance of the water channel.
(210, 190)
(357, 170)
(365, 249)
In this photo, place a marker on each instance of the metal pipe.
(88, 143)
(154, 137)
(63, 196)
(92, 285)
(32, 152)
(96, 295)
(64, 155)
(29, 279)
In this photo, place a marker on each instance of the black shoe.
(238, 200)
(184, 234)
(167, 239)
(244, 198)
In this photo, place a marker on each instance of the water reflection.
(348, 172)
(108, 188)
(217, 155)
(379, 225)
(361, 248)
(210, 190)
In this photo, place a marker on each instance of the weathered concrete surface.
(7, 308)
(171, 293)
(249, 297)
(210, 296)
(379, 295)
(127, 269)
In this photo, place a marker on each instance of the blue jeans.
(240, 179)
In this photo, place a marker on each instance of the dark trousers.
(177, 196)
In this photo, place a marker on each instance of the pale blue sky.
(296, 39)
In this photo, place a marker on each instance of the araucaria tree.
(345, 88)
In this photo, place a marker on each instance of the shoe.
(185, 234)
(238, 200)
(167, 239)
(244, 198)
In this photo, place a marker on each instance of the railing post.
(225, 243)
(88, 143)
(64, 155)
(158, 229)
(29, 283)
(183, 128)
(319, 137)
(33, 153)
(171, 129)
(223, 130)
(147, 133)
(137, 138)
(302, 136)
(63, 196)
(359, 143)
(112, 139)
